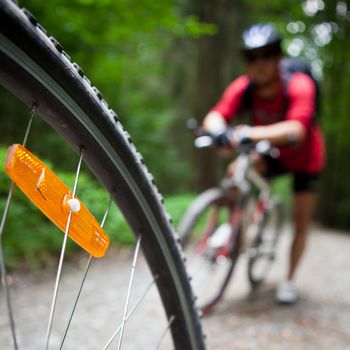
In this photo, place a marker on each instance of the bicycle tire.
(199, 204)
(259, 256)
(36, 69)
(198, 208)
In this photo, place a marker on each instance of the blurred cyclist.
(283, 107)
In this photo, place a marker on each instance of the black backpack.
(288, 67)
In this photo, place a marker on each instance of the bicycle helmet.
(261, 37)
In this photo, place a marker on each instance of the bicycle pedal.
(54, 199)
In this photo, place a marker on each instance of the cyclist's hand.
(242, 135)
(233, 138)
(224, 139)
(224, 142)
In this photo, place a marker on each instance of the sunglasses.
(255, 55)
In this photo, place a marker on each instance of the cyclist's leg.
(303, 205)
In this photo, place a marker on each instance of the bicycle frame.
(220, 224)
(244, 177)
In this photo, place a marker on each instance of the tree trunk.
(215, 64)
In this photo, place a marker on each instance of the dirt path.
(320, 320)
(99, 311)
(242, 321)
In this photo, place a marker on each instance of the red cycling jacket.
(299, 104)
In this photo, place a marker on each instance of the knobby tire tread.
(200, 204)
(35, 68)
(256, 282)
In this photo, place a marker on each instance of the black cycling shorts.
(301, 181)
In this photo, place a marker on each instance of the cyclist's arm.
(228, 107)
(288, 131)
(214, 122)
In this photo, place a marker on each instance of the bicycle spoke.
(12, 186)
(84, 278)
(171, 320)
(2, 226)
(36, 67)
(58, 277)
(131, 312)
(137, 250)
(7, 297)
(32, 115)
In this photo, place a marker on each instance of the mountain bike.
(239, 215)
(35, 68)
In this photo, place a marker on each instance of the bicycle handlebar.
(205, 139)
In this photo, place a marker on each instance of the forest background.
(158, 63)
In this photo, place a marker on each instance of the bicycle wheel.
(35, 69)
(211, 241)
(265, 234)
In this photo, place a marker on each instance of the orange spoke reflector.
(49, 193)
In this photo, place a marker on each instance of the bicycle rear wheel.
(35, 68)
(211, 242)
(265, 235)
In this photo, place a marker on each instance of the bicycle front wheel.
(264, 234)
(211, 241)
(35, 69)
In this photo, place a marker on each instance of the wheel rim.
(262, 252)
(210, 253)
(114, 157)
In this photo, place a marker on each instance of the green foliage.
(137, 54)
(126, 48)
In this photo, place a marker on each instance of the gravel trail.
(242, 320)
(319, 321)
